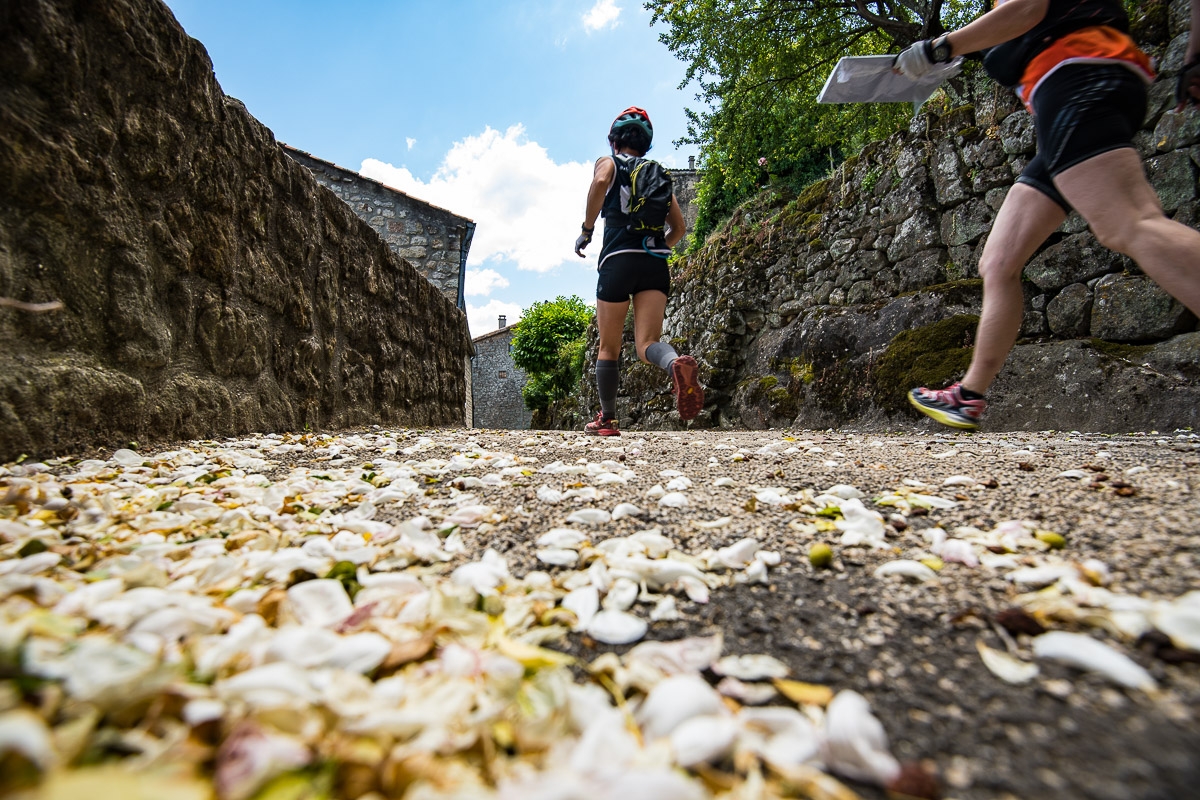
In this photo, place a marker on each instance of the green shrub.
(549, 344)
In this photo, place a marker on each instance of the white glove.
(919, 59)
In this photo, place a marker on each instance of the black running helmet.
(633, 116)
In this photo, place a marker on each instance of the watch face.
(941, 51)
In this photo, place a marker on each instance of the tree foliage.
(549, 345)
(759, 66)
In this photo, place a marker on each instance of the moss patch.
(931, 356)
(1127, 352)
(960, 291)
(813, 196)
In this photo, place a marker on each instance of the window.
(503, 373)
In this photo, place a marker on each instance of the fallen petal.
(1084, 652)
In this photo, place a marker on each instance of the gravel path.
(1118, 516)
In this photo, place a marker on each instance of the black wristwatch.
(938, 49)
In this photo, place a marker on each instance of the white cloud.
(410, 142)
(527, 207)
(483, 281)
(602, 15)
(485, 319)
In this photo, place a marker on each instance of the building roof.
(496, 332)
(380, 184)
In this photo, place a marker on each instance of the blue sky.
(493, 110)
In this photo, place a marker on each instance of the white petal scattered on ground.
(621, 595)
(739, 554)
(1179, 620)
(781, 735)
(703, 739)
(674, 500)
(664, 610)
(1075, 473)
(616, 627)
(674, 701)
(958, 551)
(1038, 577)
(562, 538)
(723, 482)
(624, 510)
(584, 602)
(959, 480)
(1006, 667)
(845, 492)
(931, 501)
(755, 667)
(1082, 651)
(752, 694)
(590, 516)
(906, 568)
(548, 495)
(557, 557)
(855, 744)
(860, 525)
(24, 732)
(720, 522)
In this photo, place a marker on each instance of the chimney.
(691, 162)
(503, 321)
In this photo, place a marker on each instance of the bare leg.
(1025, 219)
(649, 307)
(1113, 195)
(610, 320)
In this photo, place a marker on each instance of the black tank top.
(1006, 62)
(617, 238)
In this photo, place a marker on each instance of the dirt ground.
(910, 649)
(1125, 507)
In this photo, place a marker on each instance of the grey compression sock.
(607, 376)
(661, 353)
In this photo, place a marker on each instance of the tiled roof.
(496, 332)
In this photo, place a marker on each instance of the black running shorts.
(1081, 111)
(625, 274)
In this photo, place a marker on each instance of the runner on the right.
(1078, 72)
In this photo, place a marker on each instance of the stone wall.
(209, 285)
(433, 240)
(497, 383)
(824, 309)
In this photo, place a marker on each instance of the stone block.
(1076, 259)
(1176, 130)
(964, 224)
(1033, 323)
(1016, 134)
(1174, 178)
(995, 197)
(1136, 309)
(926, 268)
(986, 179)
(917, 233)
(1069, 313)
(842, 247)
(947, 174)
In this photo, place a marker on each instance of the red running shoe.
(948, 406)
(601, 426)
(689, 395)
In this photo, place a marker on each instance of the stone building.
(684, 182)
(496, 383)
(432, 239)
